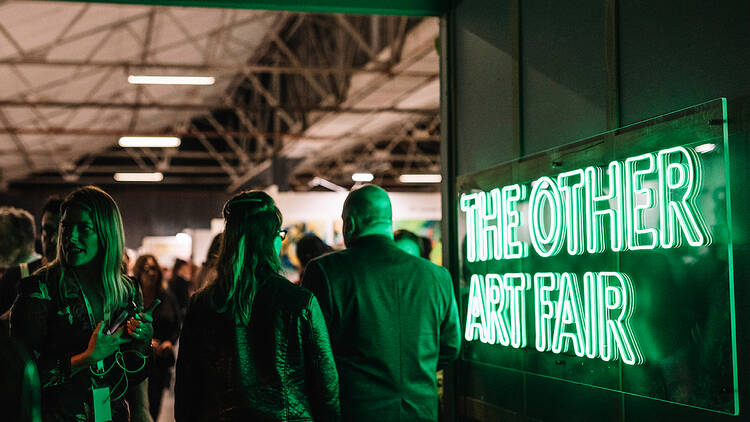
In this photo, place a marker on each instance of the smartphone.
(116, 323)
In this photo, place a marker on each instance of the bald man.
(392, 317)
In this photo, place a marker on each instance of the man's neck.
(371, 232)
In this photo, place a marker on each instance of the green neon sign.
(613, 254)
(574, 202)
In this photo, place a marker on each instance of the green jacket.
(393, 321)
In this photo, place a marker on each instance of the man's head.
(408, 242)
(17, 234)
(50, 222)
(367, 210)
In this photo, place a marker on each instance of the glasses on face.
(282, 234)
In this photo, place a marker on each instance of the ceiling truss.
(300, 75)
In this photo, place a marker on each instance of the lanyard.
(90, 312)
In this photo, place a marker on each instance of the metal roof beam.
(190, 132)
(356, 36)
(104, 180)
(216, 106)
(214, 67)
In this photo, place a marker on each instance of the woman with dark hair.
(167, 318)
(67, 313)
(309, 248)
(408, 242)
(208, 269)
(254, 346)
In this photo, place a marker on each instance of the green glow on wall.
(577, 203)
(622, 254)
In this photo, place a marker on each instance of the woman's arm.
(322, 377)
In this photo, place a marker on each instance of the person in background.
(309, 247)
(17, 233)
(392, 317)
(128, 261)
(10, 280)
(179, 283)
(65, 314)
(408, 242)
(50, 223)
(167, 318)
(254, 346)
(208, 269)
(426, 247)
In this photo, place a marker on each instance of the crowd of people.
(360, 336)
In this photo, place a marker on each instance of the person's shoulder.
(200, 301)
(292, 296)
(40, 284)
(331, 257)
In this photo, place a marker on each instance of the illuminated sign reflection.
(585, 211)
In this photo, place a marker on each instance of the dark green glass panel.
(667, 307)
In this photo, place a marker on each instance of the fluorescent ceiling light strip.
(139, 177)
(171, 80)
(362, 177)
(420, 178)
(149, 141)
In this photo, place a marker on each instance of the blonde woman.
(65, 310)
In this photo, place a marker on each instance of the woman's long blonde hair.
(247, 256)
(108, 227)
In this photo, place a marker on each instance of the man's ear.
(349, 226)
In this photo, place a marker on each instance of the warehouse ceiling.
(300, 101)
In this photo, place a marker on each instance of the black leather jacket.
(280, 367)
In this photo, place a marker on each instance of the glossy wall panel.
(563, 76)
(673, 55)
(483, 81)
(660, 67)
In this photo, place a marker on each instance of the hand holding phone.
(139, 326)
(121, 318)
